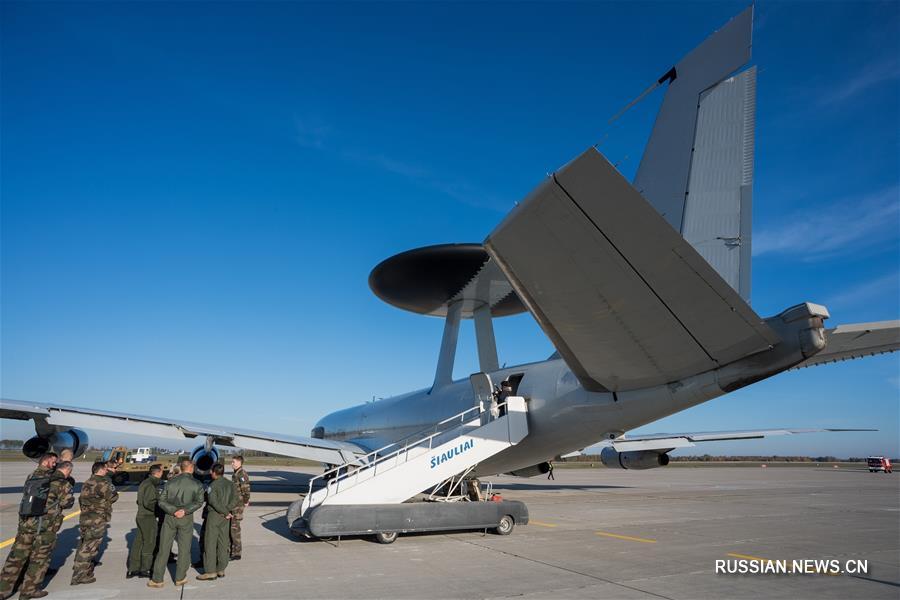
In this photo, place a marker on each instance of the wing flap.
(847, 342)
(627, 302)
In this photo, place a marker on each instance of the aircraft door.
(483, 388)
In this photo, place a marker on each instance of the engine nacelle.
(640, 459)
(204, 459)
(533, 471)
(74, 439)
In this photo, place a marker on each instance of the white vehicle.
(142, 455)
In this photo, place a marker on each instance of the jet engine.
(640, 459)
(204, 458)
(74, 439)
(533, 471)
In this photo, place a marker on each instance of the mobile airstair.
(370, 494)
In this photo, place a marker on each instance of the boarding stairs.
(397, 472)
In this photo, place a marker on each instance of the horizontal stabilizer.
(55, 416)
(847, 342)
(623, 297)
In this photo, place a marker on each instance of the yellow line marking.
(748, 557)
(10, 541)
(626, 537)
(540, 523)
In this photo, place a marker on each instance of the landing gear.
(386, 537)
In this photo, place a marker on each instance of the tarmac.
(594, 533)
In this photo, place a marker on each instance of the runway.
(595, 533)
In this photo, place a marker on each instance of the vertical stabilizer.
(718, 208)
(698, 165)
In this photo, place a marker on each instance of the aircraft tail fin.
(697, 168)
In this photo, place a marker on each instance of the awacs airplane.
(643, 287)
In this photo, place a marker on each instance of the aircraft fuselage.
(562, 415)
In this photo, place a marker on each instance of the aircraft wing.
(670, 441)
(52, 417)
(847, 342)
(623, 297)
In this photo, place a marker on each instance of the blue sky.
(193, 194)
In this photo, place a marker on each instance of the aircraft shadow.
(279, 525)
(274, 503)
(281, 478)
(556, 486)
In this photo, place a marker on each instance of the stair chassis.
(385, 521)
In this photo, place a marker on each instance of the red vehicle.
(879, 463)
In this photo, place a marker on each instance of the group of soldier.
(164, 515)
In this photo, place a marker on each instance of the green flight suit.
(221, 499)
(141, 557)
(182, 492)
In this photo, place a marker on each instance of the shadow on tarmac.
(66, 544)
(555, 486)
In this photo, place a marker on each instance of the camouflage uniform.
(241, 482)
(97, 497)
(144, 543)
(36, 538)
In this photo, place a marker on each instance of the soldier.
(97, 497)
(242, 486)
(221, 499)
(174, 471)
(111, 468)
(141, 559)
(33, 532)
(181, 497)
(60, 497)
(66, 455)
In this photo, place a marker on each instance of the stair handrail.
(372, 459)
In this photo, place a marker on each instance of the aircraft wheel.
(386, 537)
(506, 525)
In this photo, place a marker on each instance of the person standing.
(181, 497)
(32, 532)
(97, 497)
(550, 470)
(60, 497)
(220, 501)
(66, 455)
(112, 467)
(241, 482)
(140, 561)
